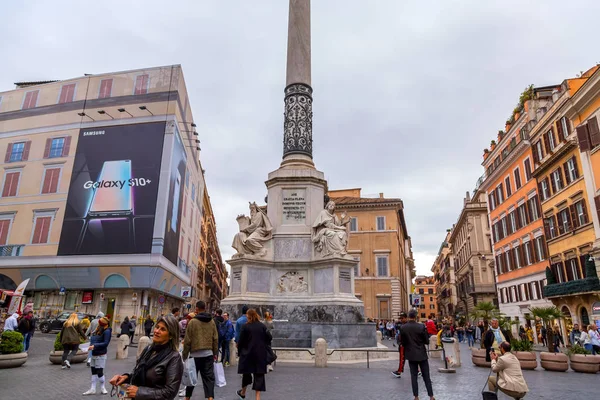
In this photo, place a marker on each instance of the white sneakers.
(67, 364)
(182, 393)
(93, 388)
(89, 392)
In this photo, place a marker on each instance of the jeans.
(470, 340)
(460, 337)
(224, 346)
(414, 371)
(204, 365)
(69, 351)
(27, 340)
(589, 347)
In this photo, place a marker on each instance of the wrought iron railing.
(12, 250)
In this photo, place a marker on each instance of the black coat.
(415, 341)
(488, 341)
(252, 348)
(162, 380)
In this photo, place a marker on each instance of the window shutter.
(529, 212)
(585, 214)
(536, 159)
(4, 228)
(561, 229)
(594, 132)
(567, 175)
(575, 167)
(47, 148)
(574, 218)
(518, 218)
(552, 184)
(597, 204)
(66, 146)
(26, 149)
(527, 169)
(561, 135)
(541, 190)
(570, 276)
(513, 259)
(37, 231)
(47, 181)
(560, 177)
(522, 255)
(8, 152)
(583, 137)
(547, 143)
(538, 206)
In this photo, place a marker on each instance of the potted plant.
(582, 360)
(523, 350)
(550, 361)
(11, 349)
(56, 355)
(500, 135)
(492, 145)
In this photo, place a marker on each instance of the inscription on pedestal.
(258, 280)
(292, 249)
(236, 281)
(324, 280)
(345, 281)
(294, 206)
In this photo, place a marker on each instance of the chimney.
(381, 195)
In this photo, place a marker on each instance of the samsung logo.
(93, 133)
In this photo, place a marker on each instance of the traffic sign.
(161, 299)
(63, 291)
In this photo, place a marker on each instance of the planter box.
(554, 361)
(56, 357)
(527, 359)
(12, 360)
(585, 363)
(478, 358)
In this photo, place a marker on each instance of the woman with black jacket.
(253, 345)
(157, 373)
(148, 324)
(126, 327)
(99, 346)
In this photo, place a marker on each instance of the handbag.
(271, 356)
(190, 376)
(490, 395)
(220, 375)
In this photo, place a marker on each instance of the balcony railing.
(183, 266)
(573, 287)
(13, 250)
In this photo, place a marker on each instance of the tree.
(485, 310)
(547, 315)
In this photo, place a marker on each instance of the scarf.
(150, 357)
(497, 334)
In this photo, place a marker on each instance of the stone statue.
(292, 282)
(329, 233)
(255, 230)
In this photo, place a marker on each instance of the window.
(564, 127)
(421, 291)
(518, 261)
(540, 251)
(41, 229)
(492, 197)
(550, 140)
(556, 181)
(4, 230)
(105, 88)
(193, 192)
(544, 189)
(534, 211)
(381, 223)
(571, 172)
(357, 266)
(50, 183)
(500, 194)
(508, 187)
(559, 274)
(382, 266)
(522, 218)
(30, 100)
(67, 93)
(509, 266)
(430, 298)
(551, 229)
(564, 222)
(527, 164)
(16, 153)
(573, 270)
(56, 148)
(429, 291)
(141, 84)
(513, 222)
(504, 230)
(353, 224)
(581, 212)
(517, 174)
(538, 151)
(11, 184)
(528, 253)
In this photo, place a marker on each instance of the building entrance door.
(384, 309)
(110, 309)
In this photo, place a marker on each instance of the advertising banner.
(111, 203)
(175, 202)
(88, 297)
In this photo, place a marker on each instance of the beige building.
(102, 193)
(380, 244)
(445, 279)
(473, 258)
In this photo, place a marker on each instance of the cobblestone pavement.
(38, 379)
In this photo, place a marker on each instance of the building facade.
(445, 280)
(379, 242)
(425, 289)
(102, 193)
(473, 257)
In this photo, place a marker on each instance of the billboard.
(111, 204)
(177, 180)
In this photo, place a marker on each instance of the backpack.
(221, 328)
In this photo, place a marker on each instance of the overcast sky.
(407, 94)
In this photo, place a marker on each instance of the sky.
(407, 94)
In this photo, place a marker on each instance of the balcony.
(480, 289)
(579, 286)
(12, 250)
(183, 266)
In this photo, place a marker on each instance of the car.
(56, 324)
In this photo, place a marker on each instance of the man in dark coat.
(415, 340)
(493, 337)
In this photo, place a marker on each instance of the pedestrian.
(240, 322)
(125, 327)
(226, 335)
(69, 338)
(415, 339)
(522, 335)
(510, 378)
(90, 331)
(12, 323)
(460, 332)
(529, 332)
(133, 323)
(148, 324)
(389, 327)
(558, 339)
(584, 340)
(398, 373)
(175, 313)
(85, 323)
(269, 325)
(253, 346)
(183, 324)
(479, 331)
(27, 329)
(575, 336)
(381, 326)
(470, 331)
(544, 336)
(158, 371)
(493, 337)
(431, 326)
(99, 347)
(594, 339)
(202, 343)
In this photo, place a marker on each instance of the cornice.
(517, 152)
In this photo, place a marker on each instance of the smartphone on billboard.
(113, 196)
(175, 207)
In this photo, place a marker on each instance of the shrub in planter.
(522, 349)
(12, 342)
(582, 360)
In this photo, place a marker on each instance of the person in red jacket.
(431, 327)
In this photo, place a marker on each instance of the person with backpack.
(226, 332)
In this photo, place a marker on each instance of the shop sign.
(134, 296)
(186, 291)
(88, 297)
(596, 308)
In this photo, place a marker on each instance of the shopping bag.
(220, 375)
(83, 347)
(190, 377)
